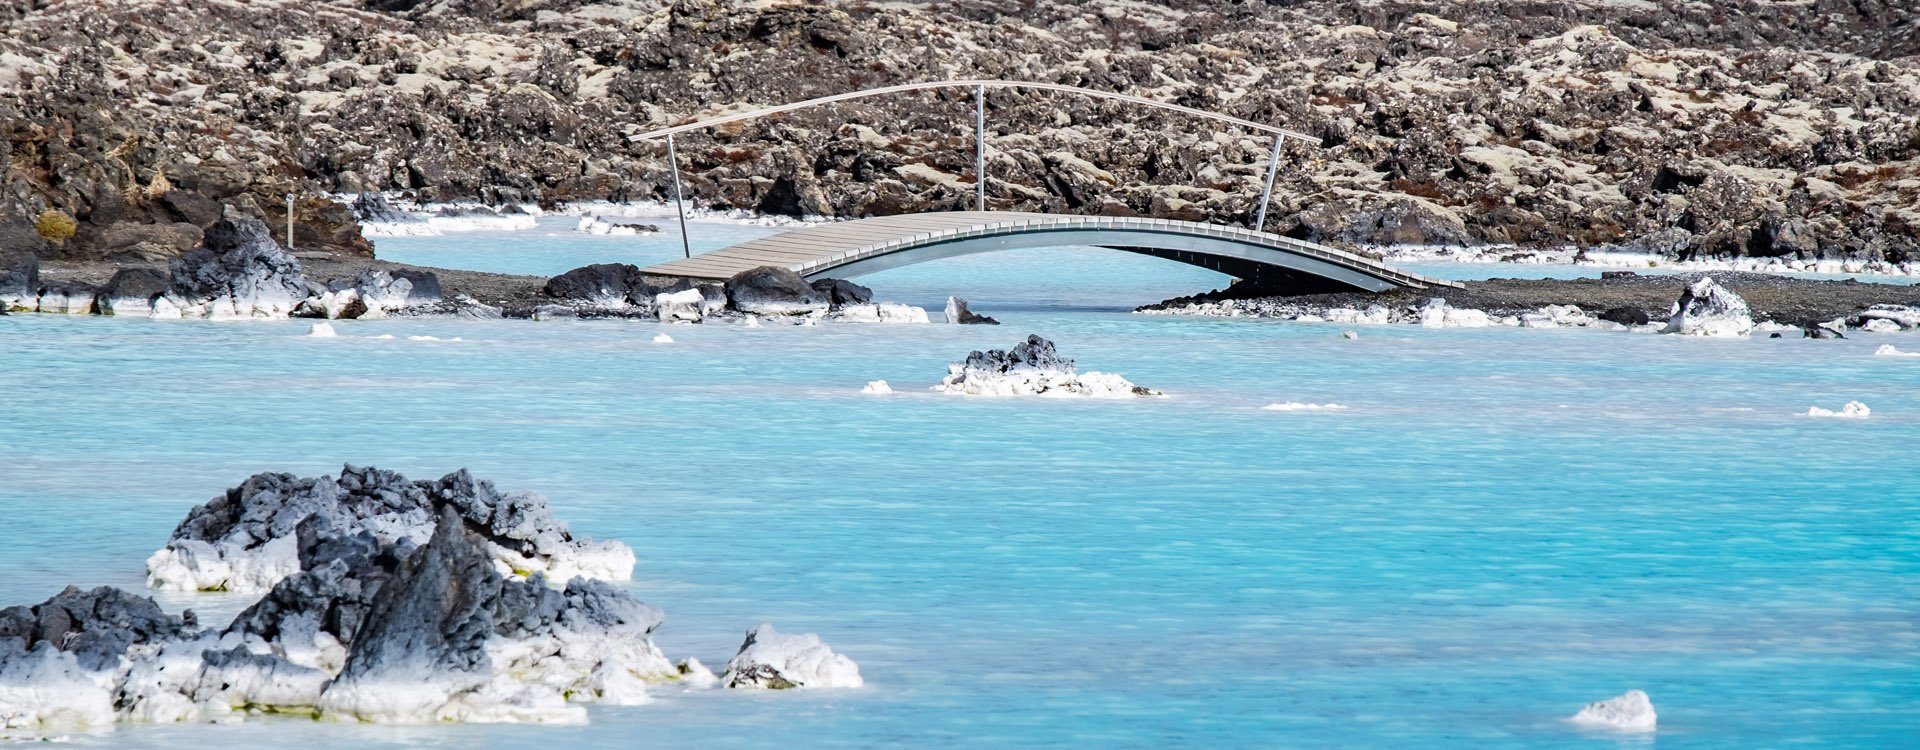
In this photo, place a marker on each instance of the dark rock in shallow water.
(423, 652)
(131, 292)
(842, 292)
(603, 284)
(96, 626)
(246, 539)
(239, 271)
(771, 290)
(1032, 368)
(957, 313)
(1823, 331)
(1626, 316)
(20, 284)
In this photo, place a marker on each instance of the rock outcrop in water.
(238, 272)
(1708, 309)
(373, 622)
(1630, 711)
(245, 539)
(958, 314)
(1032, 368)
(773, 660)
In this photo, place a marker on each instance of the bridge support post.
(679, 205)
(980, 148)
(1266, 193)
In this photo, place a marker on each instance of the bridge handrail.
(971, 83)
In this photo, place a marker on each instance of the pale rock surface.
(881, 312)
(1438, 314)
(684, 306)
(1888, 350)
(1852, 410)
(877, 388)
(1032, 368)
(1631, 711)
(1708, 309)
(773, 660)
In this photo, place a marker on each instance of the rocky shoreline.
(384, 600)
(1620, 298)
(1729, 131)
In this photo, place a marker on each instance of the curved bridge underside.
(851, 248)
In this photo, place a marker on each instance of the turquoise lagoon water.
(1503, 525)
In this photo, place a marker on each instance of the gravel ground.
(1783, 299)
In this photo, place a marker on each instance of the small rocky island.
(385, 600)
(1032, 368)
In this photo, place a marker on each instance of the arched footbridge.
(846, 249)
(862, 246)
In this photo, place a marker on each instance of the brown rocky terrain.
(1755, 127)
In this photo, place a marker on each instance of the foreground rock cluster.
(400, 602)
(1751, 128)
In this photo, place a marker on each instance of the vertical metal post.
(1273, 167)
(673, 160)
(980, 148)
(289, 221)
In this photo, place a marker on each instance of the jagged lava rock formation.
(1757, 128)
(244, 540)
(1032, 368)
(372, 621)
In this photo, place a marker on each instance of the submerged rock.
(771, 290)
(957, 313)
(1852, 410)
(238, 272)
(880, 312)
(244, 539)
(1630, 711)
(772, 660)
(1708, 309)
(1032, 367)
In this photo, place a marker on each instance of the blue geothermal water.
(1504, 524)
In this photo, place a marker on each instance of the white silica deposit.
(1708, 309)
(1888, 350)
(1032, 368)
(1297, 406)
(322, 331)
(774, 660)
(1853, 410)
(877, 388)
(1631, 711)
(245, 539)
(662, 339)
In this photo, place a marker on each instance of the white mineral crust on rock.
(1853, 410)
(1032, 368)
(1631, 711)
(769, 659)
(877, 388)
(1708, 309)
